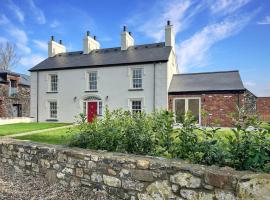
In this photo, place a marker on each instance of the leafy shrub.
(125, 132)
(245, 147)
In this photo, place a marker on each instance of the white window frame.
(131, 77)
(136, 99)
(49, 109)
(99, 111)
(50, 82)
(186, 106)
(88, 81)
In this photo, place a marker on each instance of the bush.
(122, 131)
(245, 147)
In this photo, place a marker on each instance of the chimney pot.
(168, 22)
(125, 28)
(95, 37)
(88, 33)
(52, 38)
(129, 33)
(60, 41)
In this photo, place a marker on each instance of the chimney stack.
(90, 43)
(169, 35)
(55, 48)
(126, 39)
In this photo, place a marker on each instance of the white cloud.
(3, 19)
(20, 39)
(55, 24)
(226, 6)
(18, 13)
(249, 84)
(38, 13)
(32, 60)
(265, 21)
(3, 39)
(42, 45)
(152, 23)
(193, 52)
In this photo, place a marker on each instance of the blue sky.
(211, 35)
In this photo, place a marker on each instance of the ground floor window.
(136, 106)
(53, 109)
(184, 105)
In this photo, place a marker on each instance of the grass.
(10, 129)
(50, 137)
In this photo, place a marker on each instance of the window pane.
(53, 109)
(194, 108)
(93, 80)
(84, 108)
(179, 110)
(99, 108)
(54, 79)
(136, 106)
(137, 78)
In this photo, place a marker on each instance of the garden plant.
(245, 147)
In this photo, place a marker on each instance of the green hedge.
(242, 148)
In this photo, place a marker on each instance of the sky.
(211, 35)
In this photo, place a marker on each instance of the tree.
(8, 56)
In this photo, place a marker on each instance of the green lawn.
(51, 137)
(9, 129)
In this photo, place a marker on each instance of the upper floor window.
(53, 82)
(137, 77)
(13, 87)
(92, 80)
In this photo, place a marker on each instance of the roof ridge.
(109, 48)
(215, 72)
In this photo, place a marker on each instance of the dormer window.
(137, 78)
(53, 86)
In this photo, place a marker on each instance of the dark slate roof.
(148, 53)
(208, 81)
(24, 79)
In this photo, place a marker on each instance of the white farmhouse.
(132, 77)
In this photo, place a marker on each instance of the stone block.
(143, 164)
(186, 180)
(142, 175)
(112, 181)
(132, 185)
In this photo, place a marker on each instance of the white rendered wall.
(113, 82)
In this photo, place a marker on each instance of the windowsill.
(135, 89)
(51, 92)
(91, 91)
(52, 120)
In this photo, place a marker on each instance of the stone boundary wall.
(132, 177)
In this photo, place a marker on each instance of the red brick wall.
(263, 108)
(218, 107)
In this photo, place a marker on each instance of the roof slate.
(208, 81)
(148, 53)
(24, 79)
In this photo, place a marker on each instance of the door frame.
(86, 106)
(186, 105)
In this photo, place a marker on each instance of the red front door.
(92, 111)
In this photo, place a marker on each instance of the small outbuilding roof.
(207, 81)
(24, 79)
(147, 53)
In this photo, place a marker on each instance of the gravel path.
(17, 186)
